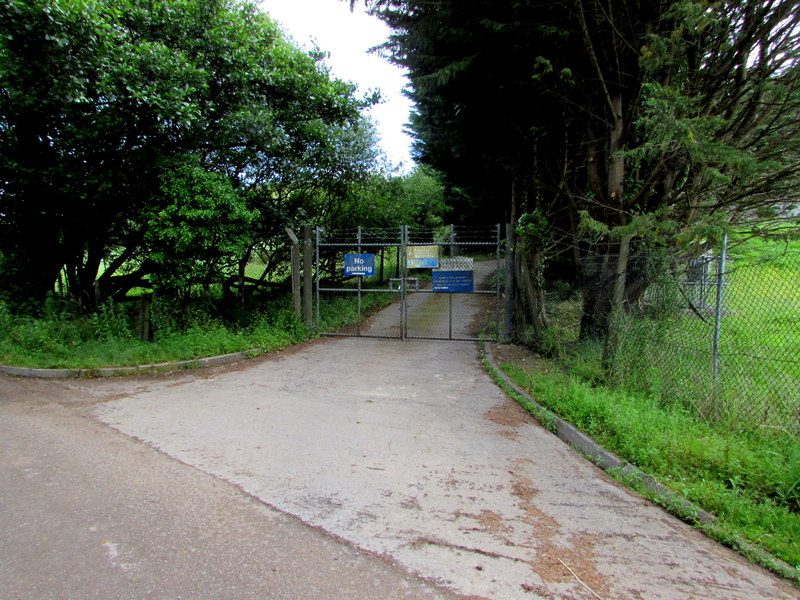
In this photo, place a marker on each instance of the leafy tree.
(103, 108)
(321, 182)
(202, 224)
(389, 200)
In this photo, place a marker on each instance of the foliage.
(416, 199)
(729, 445)
(668, 337)
(202, 223)
(104, 107)
(422, 198)
(62, 339)
(748, 481)
(533, 225)
(657, 120)
(382, 200)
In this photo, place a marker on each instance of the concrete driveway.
(409, 451)
(87, 513)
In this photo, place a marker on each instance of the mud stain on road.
(508, 414)
(556, 553)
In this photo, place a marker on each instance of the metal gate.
(439, 284)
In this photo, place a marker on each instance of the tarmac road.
(89, 513)
(414, 475)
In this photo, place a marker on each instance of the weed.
(61, 339)
(750, 479)
(111, 323)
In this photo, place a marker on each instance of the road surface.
(342, 467)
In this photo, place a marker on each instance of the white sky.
(347, 36)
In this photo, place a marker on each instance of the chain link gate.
(439, 284)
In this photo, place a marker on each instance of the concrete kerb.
(138, 370)
(606, 460)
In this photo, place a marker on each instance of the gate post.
(497, 335)
(358, 281)
(403, 267)
(295, 254)
(307, 281)
(510, 284)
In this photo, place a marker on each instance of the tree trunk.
(530, 312)
(596, 283)
(86, 289)
(602, 272)
(616, 310)
(511, 329)
(616, 162)
(31, 273)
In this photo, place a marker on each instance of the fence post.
(144, 318)
(295, 271)
(718, 310)
(403, 268)
(317, 271)
(508, 322)
(358, 281)
(307, 281)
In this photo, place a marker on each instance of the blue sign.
(453, 281)
(426, 262)
(422, 257)
(359, 264)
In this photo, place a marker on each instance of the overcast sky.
(347, 36)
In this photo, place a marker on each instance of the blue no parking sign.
(359, 264)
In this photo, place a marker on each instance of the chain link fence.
(718, 333)
(411, 283)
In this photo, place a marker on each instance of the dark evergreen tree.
(644, 122)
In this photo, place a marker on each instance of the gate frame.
(403, 242)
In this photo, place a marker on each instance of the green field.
(671, 355)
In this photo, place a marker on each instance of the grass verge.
(107, 339)
(749, 481)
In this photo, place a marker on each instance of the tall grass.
(750, 482)
(62, 339)
(666, 350)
